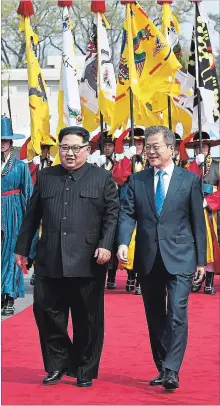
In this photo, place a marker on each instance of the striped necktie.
(160, 191)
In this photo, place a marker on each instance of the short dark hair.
(168, 135)
(74, 130)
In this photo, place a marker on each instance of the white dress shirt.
(167, 177)
(5, 163)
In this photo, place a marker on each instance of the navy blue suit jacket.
(179, 231)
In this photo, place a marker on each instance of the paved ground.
(22, 303)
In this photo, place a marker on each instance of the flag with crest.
(88, 84)
(106, 73)
(69, 109)
(98, 83)
(146, 62)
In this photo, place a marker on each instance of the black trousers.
(84, 297)
(165, 299)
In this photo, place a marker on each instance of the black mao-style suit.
(79, 212)
(168, 249)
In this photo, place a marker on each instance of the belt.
(11, 192)
(208, 189)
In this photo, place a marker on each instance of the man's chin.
(153, 162)
(70, 165)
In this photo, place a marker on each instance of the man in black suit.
(166, 203)
(78, 205)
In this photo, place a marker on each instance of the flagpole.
(131, 98)
(101, 137)
(198, 93)
(169, 112)
(132, 122)
(197, 82)
(161, 3)
(99, 7)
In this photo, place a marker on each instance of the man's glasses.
(74, 148)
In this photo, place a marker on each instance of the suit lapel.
(149, 186)
(175, 181)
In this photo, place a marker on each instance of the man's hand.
(199, 275)
(123, 254)
(200, 158)
(205, 204)
(21, 262)
(102, 255)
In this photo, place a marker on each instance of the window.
(54, 89)
(22, 89)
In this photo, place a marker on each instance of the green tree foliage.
(47, 23)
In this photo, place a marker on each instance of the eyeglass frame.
(156, 148)
(70, 147)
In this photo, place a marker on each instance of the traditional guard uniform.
(211, 186)
(113, 263)
(36, 164)
(140, 163)
(177, 158)
(16, 190)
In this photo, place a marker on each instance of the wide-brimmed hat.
(7, 132)
(178, 139)
(205, 140)
(138, 134)
(106, 138)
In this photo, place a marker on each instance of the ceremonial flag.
(170, 28)
(89, 84)
(202, 72)
(145, 64)
(98, 83)
(69, 109)
(38, 103)
(183, 100)
(106, 74)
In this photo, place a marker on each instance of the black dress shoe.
(158, 380)
(84, 382)
(53, 377)
(171, 380)
(111, 285)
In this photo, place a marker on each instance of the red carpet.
(126, 365)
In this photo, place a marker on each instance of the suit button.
(67, 188)
(64, 218)
(66, 203)
(64, 233)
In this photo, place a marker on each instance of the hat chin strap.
(6, 153)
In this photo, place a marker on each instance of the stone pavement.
(22, 303)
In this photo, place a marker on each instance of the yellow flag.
(170, 27)
(180, 114)
(38, 103)
(145, 64)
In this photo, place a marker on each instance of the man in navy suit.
(166, 204)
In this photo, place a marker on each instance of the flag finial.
(65, 3)
(98, 6)
(25, 8)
